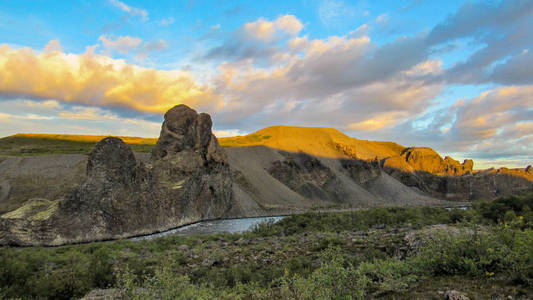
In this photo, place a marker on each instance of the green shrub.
(332, 280)
(388, 275)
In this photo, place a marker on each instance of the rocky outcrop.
(307, 176)
(426, 170)
(428, 160)
(187, 179)
(363, 172)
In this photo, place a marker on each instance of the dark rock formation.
(111, 162)
(187, 179)
(361, 171)
(307, 176)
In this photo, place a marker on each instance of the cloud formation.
(267, 31)
(133, 11)
(269, 72)
(127, 44)
(166, 21)
(53, 117)
(496, 124)
(255, 40)
(97, 80)
(122, 44)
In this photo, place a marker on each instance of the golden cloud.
(266, 30)
(98, 80)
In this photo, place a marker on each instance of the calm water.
(458, 207)
(210, 227)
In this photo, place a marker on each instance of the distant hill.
(318, 141)
(44, 144)
(276, 170)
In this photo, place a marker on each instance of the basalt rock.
(363, 172)
(424, 169)
(187, 180)
(308, 176)
(428, 160)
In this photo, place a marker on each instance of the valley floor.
(388, 253)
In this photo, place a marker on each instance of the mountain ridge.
(120, 190)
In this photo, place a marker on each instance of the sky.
(456, 76)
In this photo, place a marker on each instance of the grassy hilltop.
(312, 140)
(45, 144)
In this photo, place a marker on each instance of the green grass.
(352, 255)
(47, 144)
(243, 140)
(21, 145)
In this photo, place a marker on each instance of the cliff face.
(187, 179)
(428, 160)
(364, 162)
(446, 178)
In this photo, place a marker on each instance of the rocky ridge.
(187, 179)
(365, 162)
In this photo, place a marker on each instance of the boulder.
(111, 161)
(455, 295)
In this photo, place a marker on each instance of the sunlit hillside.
(87, 138)
(319, 141)
(43, 144)
(326, 142)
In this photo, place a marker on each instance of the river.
(211, 227)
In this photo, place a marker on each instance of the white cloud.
(98, 80)
(166, 21)
(383, 18)
(133, 11)
(149, 47)
(52, 46)
(122, 44)
(127, 44)
(265, 30)
(269, 73)
(228, 132)
(52, 117)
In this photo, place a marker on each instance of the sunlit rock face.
(428, 160)
(187, 179)
(446, 178)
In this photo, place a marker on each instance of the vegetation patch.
(355, 255)
(46, 144)
(35, 209)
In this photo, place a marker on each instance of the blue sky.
(453, 75)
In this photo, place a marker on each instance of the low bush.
(367, 266)
(361, 220)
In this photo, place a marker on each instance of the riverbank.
(277, 259)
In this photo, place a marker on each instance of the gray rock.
(5, 189)
(455, 295)
(187, 180)
(184, 248)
